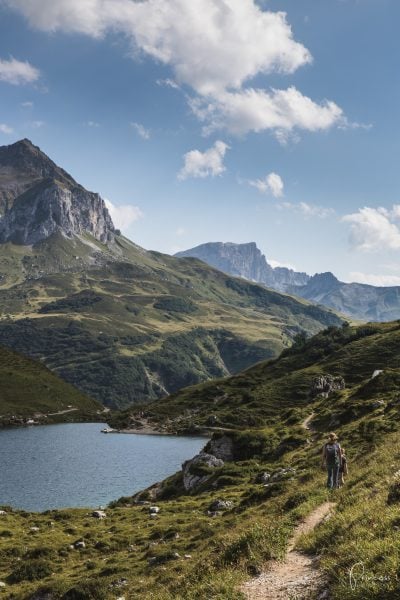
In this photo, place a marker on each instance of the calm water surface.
(74, 465)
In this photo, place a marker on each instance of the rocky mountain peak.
(246, 260)
(38, 198)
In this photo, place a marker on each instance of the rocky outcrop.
(326, 384)
(22, 166)
(247, 261)
(196, 470)
(38, 199)
(51, 207)
(221, 447)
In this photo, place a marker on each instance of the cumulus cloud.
(373, 229)
(258, 110)
(17, 73)
(123, 216)
(270, 184)
(308, 210)
(204, 164)
(213, 46)
(6, 129)
(141, 131)
(377, 280)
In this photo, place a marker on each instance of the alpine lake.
(75, 465)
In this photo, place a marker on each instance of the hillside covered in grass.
(28, 390)
(125, 325)
(222, 529)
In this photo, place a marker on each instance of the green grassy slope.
(126, 325)
(133, 555)
(29, 390)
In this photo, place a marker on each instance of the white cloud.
(213, 46)
(258, 110)
(168, 83)
(377, 280)
(141, 131)
(204, 164)
(180, 231)
(37, 124)
(17, 73)
(312, 210)
(373, 229)
(308, 210)
(123, 216)
(277, 263)
(93, 124)
(6, 129)
(27, 104)
(271, 184)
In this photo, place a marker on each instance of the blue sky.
(220, 120)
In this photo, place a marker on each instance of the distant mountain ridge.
(356, 300)
(246, 260)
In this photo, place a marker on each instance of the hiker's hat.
(332, 436)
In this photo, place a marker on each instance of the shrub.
(31, 570)
(87, 590)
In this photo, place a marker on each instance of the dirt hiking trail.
(298, 576)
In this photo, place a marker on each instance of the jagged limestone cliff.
(246, 260)
(40, 199)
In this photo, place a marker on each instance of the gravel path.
(298, 576)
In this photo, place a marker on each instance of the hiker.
(343, 470)
(332, 460)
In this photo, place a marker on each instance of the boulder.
(154, 510)
(378, 404)
(2, 512)
(376, 373)
(282, 474)
(324, 385)
(219, 505)
(99, 514)
(34, 529)
(191, 470)
(263, 477)
(221, 447)
(79, 545)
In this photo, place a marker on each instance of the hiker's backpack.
(332, 454)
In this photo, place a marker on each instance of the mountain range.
(358, 301)
(121, 323)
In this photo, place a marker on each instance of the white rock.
(376, 373)
(154, 510)
(99, 514)
(3, 512)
